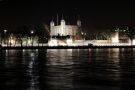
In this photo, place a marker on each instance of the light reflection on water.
(67, 69)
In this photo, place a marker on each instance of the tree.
(42, 31)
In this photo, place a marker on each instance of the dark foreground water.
(67, 69)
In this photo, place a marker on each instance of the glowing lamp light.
(82, 33)
(5, 31)
(31, 31)
(12, 41)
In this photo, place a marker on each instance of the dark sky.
(94, 14)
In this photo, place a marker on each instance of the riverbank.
(64, 47)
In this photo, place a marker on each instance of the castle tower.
(79, 22)
(115, 36)
(63, 23)
(51, 26)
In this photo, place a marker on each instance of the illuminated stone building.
(74, 31)
(64, 34)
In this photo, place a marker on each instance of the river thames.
(67, 69)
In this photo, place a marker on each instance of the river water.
(67, 69)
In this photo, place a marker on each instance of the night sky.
(95, 15)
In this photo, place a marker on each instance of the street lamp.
(32, 32)
(5, 31)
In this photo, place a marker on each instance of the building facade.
(65, 30)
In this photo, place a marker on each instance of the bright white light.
(62, 44)
(133, 41)
(31, 31)
(29, 41)
(69, 42)
(5, 31)
(53, 42)
(12, 41)
(115, 38)
(82, 33)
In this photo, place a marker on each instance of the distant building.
(120, 36)
(115, 37)
(72, 35)
(64, 34)
(74, 31)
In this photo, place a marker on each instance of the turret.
(79, 22)
(63, 21)
(51, 27)
(63, 24)
(51, 24)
